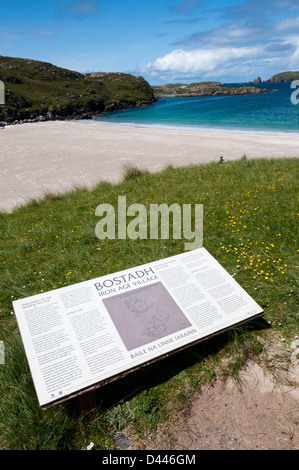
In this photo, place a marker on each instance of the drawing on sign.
(140, 320)
(158, 318)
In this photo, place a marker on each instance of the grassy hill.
(39, 90)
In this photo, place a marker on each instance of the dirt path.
(256, 413)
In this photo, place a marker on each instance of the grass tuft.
(132, 171)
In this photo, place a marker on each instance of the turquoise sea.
(271, 112)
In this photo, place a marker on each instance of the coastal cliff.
(39, 91)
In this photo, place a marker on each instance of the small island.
(203, 89)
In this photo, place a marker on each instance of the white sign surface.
(81, 335)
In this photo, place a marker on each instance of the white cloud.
(239, 62)
(294, 58)
(240, 42)
(287, 25)
(232, 34)
(202, 61)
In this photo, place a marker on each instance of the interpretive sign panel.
(82, 336)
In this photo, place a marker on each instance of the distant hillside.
(283, 77)
(37, 90)
(203, 89)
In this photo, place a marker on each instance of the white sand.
(56, 156)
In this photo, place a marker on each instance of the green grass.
(250, 227)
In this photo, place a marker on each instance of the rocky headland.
(284, 77)
(39, 91)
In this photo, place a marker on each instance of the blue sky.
(164, 41)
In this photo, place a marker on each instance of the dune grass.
(250, 227)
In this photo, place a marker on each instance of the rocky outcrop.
(284, 77)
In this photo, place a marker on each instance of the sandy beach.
(57, 156)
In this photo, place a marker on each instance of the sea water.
(271, 112)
